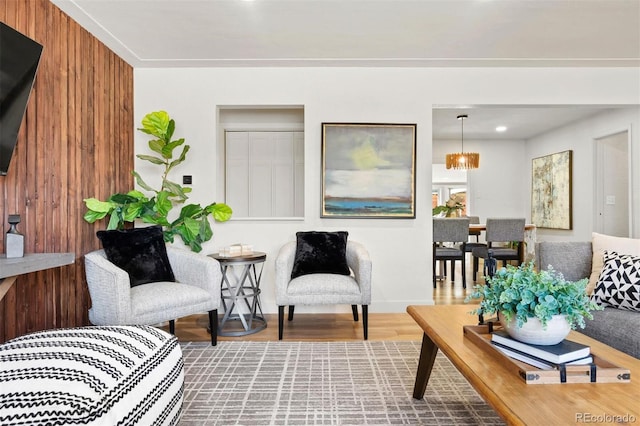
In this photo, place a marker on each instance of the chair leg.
(434, 271)
(291, 307)
(213, 326)
(354, 309)
(172, 327)
(464, 272)
(476, 263)
(365, 321)
(453, 271)
(280, 321)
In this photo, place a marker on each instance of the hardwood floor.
(336, 327)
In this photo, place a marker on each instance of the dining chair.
(473, 220)
(509, 232)
(473, 244)
(450, 237)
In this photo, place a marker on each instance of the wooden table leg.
(425, 365)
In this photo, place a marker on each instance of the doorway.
(612, 198)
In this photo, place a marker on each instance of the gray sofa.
(618, 328)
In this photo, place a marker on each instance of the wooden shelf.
(32, 262)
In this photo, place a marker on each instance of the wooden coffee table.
(515, 401)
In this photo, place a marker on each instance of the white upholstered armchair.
(115, 302)
(322, 288)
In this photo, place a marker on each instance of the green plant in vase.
(522, 295)
(192, 223)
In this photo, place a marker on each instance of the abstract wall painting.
(551, 196)
(368, 170)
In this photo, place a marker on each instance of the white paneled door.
(612, 185)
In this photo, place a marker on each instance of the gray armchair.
(115, 302)
(327, 289)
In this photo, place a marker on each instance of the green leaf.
(137, 195)
(156, 124)
(195, 246)
(206, 233)
(192, 226)
(190, 210)
(132, 211)
(141, 183)
(189, 232)
(155, 219)
(170, 129)
(180, 159)
(167, 150)
(168, 235)
(115, 221)
(163, 203)
(91, 216)
(183, 155)
(174, 189)
(120, 199)
(151, 158)
(156, 145)
(221, 212)
(98, 206)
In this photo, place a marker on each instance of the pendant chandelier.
(463, 160)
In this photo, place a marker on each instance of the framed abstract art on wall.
(368, 170)
(551, 192)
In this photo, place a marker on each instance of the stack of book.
(545, 357)
(236, 250)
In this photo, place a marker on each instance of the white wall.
(400, 249)
(580, 137)
(495, 189)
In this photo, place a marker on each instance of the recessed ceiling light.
(501, 129)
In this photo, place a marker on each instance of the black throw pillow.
(320, 253)
(139, 251)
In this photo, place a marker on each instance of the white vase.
(532, 332)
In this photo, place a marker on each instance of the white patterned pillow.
(619, 282)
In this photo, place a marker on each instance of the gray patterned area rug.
(323, 383)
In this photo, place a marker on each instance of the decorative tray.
(600, 371)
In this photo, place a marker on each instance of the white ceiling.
(405, 33)
(365, 32)
(522, 122)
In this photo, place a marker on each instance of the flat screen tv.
(19, 59)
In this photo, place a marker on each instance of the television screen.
(19, 58)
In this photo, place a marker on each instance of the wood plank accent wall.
(76, 142)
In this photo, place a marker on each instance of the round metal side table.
(240, 288)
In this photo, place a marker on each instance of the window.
(447, 182)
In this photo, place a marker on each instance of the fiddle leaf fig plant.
(192, 224)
